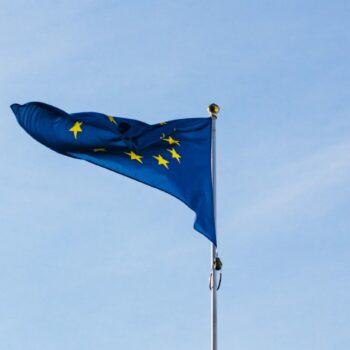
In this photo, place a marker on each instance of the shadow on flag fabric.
(173, 156)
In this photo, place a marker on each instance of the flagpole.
(215, 262)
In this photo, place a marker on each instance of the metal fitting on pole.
(217, 264)
(213, 110)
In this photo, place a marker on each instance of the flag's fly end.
(14, 107)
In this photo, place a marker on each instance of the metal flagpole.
(214, 282)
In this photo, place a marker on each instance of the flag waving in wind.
(173, 156)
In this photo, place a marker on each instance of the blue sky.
(90, 259)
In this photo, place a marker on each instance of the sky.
(90, 259)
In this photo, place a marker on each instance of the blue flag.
(173, 156)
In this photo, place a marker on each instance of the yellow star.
(171, 141)
(162, 161)
(134, 156)
(112, 119)
(99, 150)
(76, 128)
(174, 154)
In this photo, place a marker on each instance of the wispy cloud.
(305, 185)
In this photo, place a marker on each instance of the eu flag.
(173, 156)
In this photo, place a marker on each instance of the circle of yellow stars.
(77, 128)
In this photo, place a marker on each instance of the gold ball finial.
(213, 110)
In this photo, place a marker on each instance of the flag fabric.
(173, 156)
